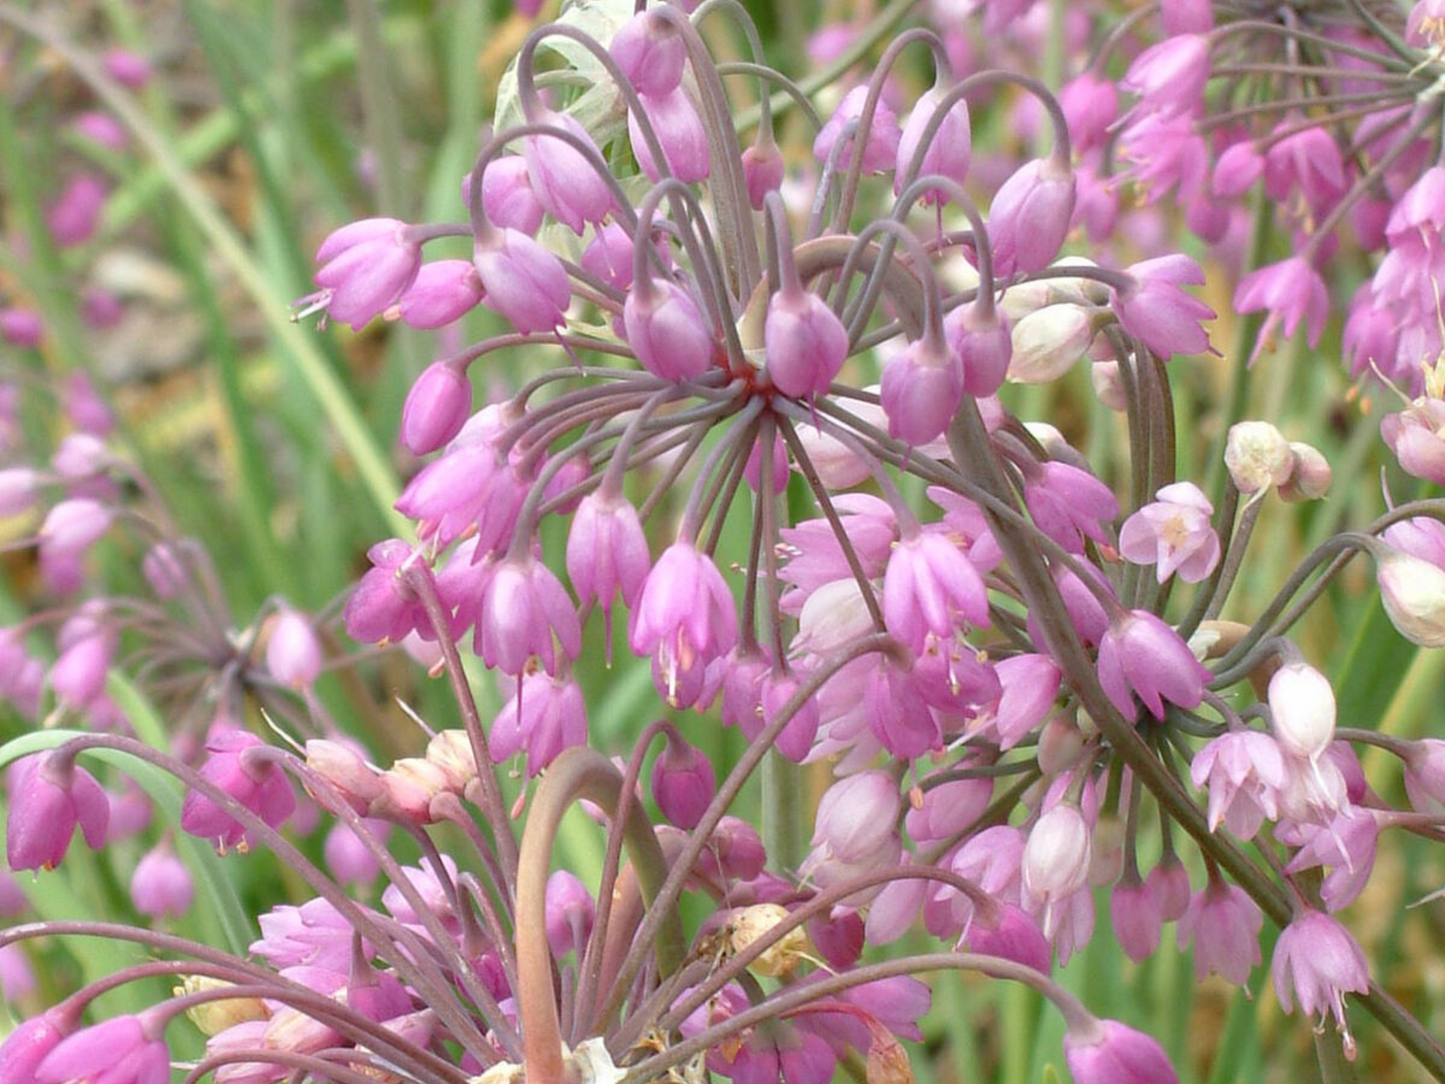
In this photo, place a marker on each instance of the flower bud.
(1258, 456)
(163, 570)
(921, 390)
(22, 327)
(683, 783)
(805, 343)
(1107, 1052)
(679, 129)
(1413, 592)
(73, 526)
(1310, 476)
(343, 767)
(762, 172)
(507, 194)
(650, 52)
(1030, 216)
(666, 331)
(293, 654)
(1047, 342)
(1303, 706)
(443, 292)
(569, 914)
(451, 751)
(161, 884)
(1056, 856)
(983, 342)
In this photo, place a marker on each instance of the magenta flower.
(73, 217)
(1224, 924)
(366, 267)
(380, 610)
(1174, 533)
(562, 177)
(29, 1044)
(1307, 161)
(1108, 1052)
(1090, 104)
(1014, 936)
(1316, 962)
(442, 292)
(1069, 504)
(50, 799)
(507, 194)
(129, 69)
(685, 615)
(439, 402)
(607, 551)
(523, 281)
(21, 327)
(258, 784)
(683, 783)
(1158, 312)
(1141, 655)
(804, 341)
(569, 913)
(921, 390)
(526, 612)
(1244, 773)
(929, 584)
(762, 172)
(650, 52)
(1291, 292)
(125, 1050)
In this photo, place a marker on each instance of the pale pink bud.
(762, 172)
(73, 526)
(1108, 1052)
(507, 194)
(1136, 913)
(293, 654)
(667, 331)
(436, 407)
(804, 341)
(650, 52)
(523, 281)
(562, 176)
(161, 884)
(1303, 708)
(679, 129)
(1046, 343)
(1413, 592)
(1030, 216)
(442, 292)
(19, 488)
(921, 390)
(880, 147)
(1056, 860)
(1310, 477)
(948, 153)
(569, 914)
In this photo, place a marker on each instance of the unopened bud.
(1413, 592)
(342, 767)
(1048, 342)
(214, 1017)
(1303, 706)
(1258, 456)
(1104, 375)
(408, 788)
(1061, 743)
(1310, 476)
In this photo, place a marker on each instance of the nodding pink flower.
(1136, 914)
(85, 408)
(857, 816)
(650, 52)
(438, 404)
(683, 783)
(1155, 309)
(21, 327)
(524, 282)
(1165, 152)
(921, 390)
(565, 182)
(1415, 436)
(1069, 504)
(666, 331)
(679, 129)
(29, 1044)
(880, 147)
(508, 196)
(928, 585)
(1291, 292)
(1108, 1052)
(1141, 655)
(898, 715)
(1090, 104)
(543, 717)
(949, 153)
(1171, 881)
(129, 69)
(73, 217)
(442, 292)
(165, 570)
(102, 128)
(1014, 935)
(258, 784)
(1425, 776)
(1174, 533)
(1056, 862)
(983, 341)
(161, 884)
(1302, 707)
(685, 615)
(1425, 28)
(607, 551)
(19, 488)
(1244, 772)
(1030, 215)
(365, 268)
(1224, 924)
(1309, 161)
(293, 653)
(526, 612)
(1239, 166)
(78, 676)
(762, 172)
(1030, 683)
(125, 1050)
(948, 809)
(73, 526)
(1169, 77)
(1418, 210)
(1371, 338)
(1346, 846)
(52, 796)
(1316, 962)
(804, 341)
(569, 914)
(347, 857)
(380, 609)
(795, 740)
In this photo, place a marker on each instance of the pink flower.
(683, 783)
(679, 129)
(1308, 160)
(128, 69)
(1417, 437)
(543, 717)
(880, 147)
(921, 390)
(366, 267)
(442, 292)
(1316, 962)
(258, 784)
(1030, 216)
(75, 214)
(1291, 292)
(1224, 924)
(929, 584)
(1175, 533)
(21, 327)
(607, 551)
(28, 1045)
(1425, 28)
(948, 153)
(507, 194)
(526, 612)
(125, 1050)
(650, 52)
(1170, 75)
(762, 172)
(161, 885)
(1056, 862)
(804, 341)
(293, 654)
(685, 615)
(564, 178)
(1108, 1052)
(1244, 773)
(667, 331)
(1142, 655)
(1158, 312)
(1090, 105)
(569, 914)
(1069, 504)
(983, 341)
(50, 799)
(1135, 912)
(523, 281)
